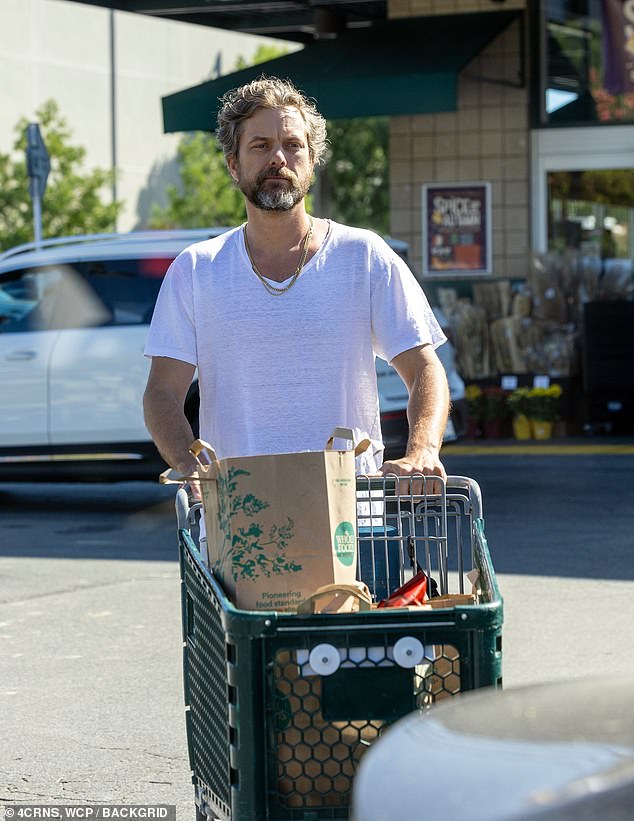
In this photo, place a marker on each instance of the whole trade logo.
(345, 543)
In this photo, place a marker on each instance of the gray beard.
(277, 199)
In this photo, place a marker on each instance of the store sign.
(618, 45)
(456, 228)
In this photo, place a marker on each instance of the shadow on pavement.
(130, 520)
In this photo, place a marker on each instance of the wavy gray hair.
(268, 92)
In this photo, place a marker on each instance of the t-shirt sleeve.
(172, 330)
(401, 315)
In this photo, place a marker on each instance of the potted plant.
(543, 404)
(494, 411)
(518, 404)
(474, 397)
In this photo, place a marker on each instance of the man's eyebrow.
(294, 136)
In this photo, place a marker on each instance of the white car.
(74, 317)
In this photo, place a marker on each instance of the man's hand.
(193, 490)
(406, 467)
(428, 465)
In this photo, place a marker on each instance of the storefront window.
(592, 212)
(588, 62)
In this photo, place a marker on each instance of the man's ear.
(232, 165)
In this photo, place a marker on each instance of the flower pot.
(522, 427)
(541, 429)
(473, 428)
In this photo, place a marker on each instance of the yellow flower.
(473, 392)
(542, 402)
(518, 401)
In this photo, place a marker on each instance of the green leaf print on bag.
(253, 552)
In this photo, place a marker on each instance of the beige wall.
(54, 49)
(486, 139)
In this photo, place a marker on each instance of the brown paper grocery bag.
(337, 598)
(280, 526)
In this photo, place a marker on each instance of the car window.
(26, 300)
(128, 288)
(79, 295)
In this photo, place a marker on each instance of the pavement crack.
(164, 756)
(149, 753)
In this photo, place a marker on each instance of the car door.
(98, 371)
(26, 344)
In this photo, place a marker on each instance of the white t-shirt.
(278, 373)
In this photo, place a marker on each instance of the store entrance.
(592, 212)
(591, 231)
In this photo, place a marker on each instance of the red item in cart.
(412, 592)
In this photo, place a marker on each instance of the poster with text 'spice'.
(456, 228)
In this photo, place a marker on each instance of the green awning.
(404, 66)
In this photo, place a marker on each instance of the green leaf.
(355, 180)
(77, 200)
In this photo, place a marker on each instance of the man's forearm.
(427, 411)
(168, 425)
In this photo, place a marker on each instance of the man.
(447, 355)
(283, 316)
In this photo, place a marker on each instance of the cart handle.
(472, 488)
(182, 509)
(461, 482)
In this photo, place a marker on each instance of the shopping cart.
(280, 706)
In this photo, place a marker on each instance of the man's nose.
(278, 157)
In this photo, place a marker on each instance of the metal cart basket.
(280, 706)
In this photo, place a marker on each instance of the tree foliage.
(356, 175)
(206, 194)
(72, 201)
(263, 53)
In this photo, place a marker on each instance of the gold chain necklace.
(302, 261)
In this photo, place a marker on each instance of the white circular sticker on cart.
(324, 659)
(409, 651)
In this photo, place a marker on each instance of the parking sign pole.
(37, 218)
(38, 165)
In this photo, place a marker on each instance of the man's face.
(273, 168)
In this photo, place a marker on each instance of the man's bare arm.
(163, 401)
(427, 412)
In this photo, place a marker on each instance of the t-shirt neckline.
(307, 266)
